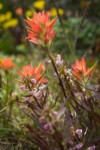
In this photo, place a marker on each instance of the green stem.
(7, 87)
(55, 68)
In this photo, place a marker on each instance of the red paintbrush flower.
(6, 63)
(33, 73)
(80, 70)
(41, 28)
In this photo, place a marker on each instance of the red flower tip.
(6, 63)
(33, 73)
(80, 70)
(41, 29)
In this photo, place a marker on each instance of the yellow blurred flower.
(8, 15)
(53, 12)
(39, 4)
(10, 23)
(29, 13)
(1, 5)
(4, 17)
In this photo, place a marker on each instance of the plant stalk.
(55, 68)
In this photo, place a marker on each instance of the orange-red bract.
(80, 70)
(33, 73)
(6, 63)
(41, 29)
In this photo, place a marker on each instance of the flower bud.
(78, 146)
(33, 81)
(55, 114)
(91, 148)
(42, 119)
(79, 132)
(46, 126)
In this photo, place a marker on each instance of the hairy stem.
(55, 68)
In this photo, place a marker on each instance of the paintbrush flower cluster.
(80, 70)
(7, 64)
(40, 30)
(63, 114)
